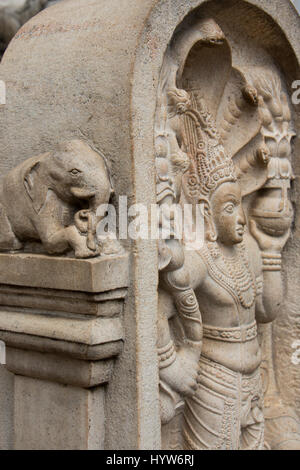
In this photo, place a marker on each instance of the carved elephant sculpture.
(53, 198)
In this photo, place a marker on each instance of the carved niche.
(224, 133)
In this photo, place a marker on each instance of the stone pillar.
(61, 320)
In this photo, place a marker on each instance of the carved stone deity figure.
(238, 285)
(241, 176)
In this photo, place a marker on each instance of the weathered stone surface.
(93, 275)
(7, 406)
(62, 336)
(91, 332)
(44, 410)
(107, 304)
(101, 81)
(55, 368)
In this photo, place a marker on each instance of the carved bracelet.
(271, 262)
(166, 355)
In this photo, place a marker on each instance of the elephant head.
(74, 172)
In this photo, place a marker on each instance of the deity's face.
(228, 214)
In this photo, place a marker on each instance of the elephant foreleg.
(8, 240)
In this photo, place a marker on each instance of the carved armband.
(166, 355)
(259, 285)
(271, 262)
(187, 305)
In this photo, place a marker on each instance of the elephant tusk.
(91, 243)
(85, 223)
(81, 221)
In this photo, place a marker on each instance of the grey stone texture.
(91, 70)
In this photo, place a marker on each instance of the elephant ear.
(35, 186)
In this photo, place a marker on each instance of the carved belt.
(231, 335)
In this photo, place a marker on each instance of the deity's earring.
(211, 237)
(211, 234)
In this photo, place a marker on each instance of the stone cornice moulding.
(52, 341)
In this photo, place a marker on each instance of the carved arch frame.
(150, 52)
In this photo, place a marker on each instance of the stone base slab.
(101, 274)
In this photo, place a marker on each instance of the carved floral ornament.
(221, 139)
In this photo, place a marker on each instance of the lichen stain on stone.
(48, 29)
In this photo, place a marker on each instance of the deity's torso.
(227, 296)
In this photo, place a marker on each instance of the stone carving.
(282, 426)
(236, 130)
(178, 369)
(53, 198)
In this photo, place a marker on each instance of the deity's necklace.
(239, 278)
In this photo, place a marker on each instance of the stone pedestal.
(45, 410)
(61, 321)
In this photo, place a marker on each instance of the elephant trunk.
(85, 221)
(100, 199)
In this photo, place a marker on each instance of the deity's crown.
(212, 165)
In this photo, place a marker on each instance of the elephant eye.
(75, 172)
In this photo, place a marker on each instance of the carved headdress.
(212, 164)
(230, 114)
